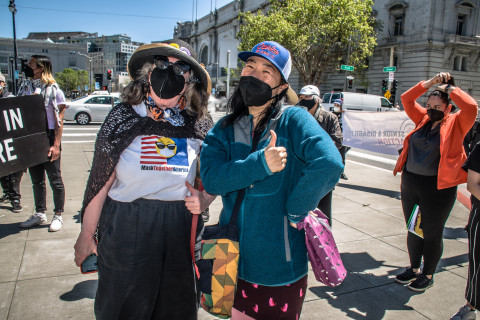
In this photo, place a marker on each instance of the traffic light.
(394, 86)
(109, 74)
(384, 84)
(349, 82)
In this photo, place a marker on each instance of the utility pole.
(228, 74)
(13, 10)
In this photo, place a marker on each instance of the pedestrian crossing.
(73, 133)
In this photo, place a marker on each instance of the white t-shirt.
(155, 167)
(51, 118)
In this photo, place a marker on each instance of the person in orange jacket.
(431, 164)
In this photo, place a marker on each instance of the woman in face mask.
(431, 162)
(140, 195)
(285, 163)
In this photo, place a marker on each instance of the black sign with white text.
(23, 136)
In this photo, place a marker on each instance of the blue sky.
(142, 20)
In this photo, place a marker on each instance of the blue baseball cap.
(273, 52)
(338, 101)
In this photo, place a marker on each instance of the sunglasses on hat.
(179, 67)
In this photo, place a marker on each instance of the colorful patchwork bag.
(218, 265)
(322, 251)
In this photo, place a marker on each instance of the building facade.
(214, 35)
(422, 38)
(81, 50)
(419, 38)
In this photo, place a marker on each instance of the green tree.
(70, 79)
(320, 34)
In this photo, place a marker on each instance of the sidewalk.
(38, 279)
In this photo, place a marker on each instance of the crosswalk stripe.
(65, 128)
(79, 135)
(83, 141)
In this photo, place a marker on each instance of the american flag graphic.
(149, 154)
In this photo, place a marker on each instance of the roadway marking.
(84, 141)
(372, 157)
(80, 129)
(370, 166)
(79, 135)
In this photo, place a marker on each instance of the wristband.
(447, 88)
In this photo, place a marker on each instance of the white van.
(357, 101)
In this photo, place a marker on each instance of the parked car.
(93, 108)
(357, 101)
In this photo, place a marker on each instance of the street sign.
(387, 94)
(16, 74)
(391, 76)
(97, 86)
(348, 68)
(389, 69)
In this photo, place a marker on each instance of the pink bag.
(322, 251)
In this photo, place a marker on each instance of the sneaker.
(5, 198)
(56, 224)
(16, 206)
(35, 219)
(344, 176)
(407, 276)
(464, 313)
(421, 284)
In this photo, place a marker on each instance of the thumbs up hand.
(276, 157)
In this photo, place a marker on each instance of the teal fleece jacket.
(272, 252)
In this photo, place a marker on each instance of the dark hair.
(443, 95)
(237, 108)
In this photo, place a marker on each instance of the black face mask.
(29, 72)
(166, 83)
(309, 104)
(435, 115)
(255, 92)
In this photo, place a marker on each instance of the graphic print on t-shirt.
(163, 151)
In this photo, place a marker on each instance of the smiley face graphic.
(166, 147)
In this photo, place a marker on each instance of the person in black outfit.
(472, 166)
(310, 99)
(337, 110)
(10, 183)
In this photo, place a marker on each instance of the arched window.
(464, 11)
(204, 55)
(464, 64)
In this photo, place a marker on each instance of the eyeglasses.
(163, 146)
(179, 67)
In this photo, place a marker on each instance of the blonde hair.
(45, 63)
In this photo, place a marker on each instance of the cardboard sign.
(23, 136)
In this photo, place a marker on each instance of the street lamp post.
(13, 10)
(90, 60)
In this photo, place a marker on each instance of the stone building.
(214, 34)
(420, 37)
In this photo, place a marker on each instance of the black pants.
(325, 205)
(435, 206)
(37, 174)
(473, 284)
(144, 261)
(11, 185)
(54, 173)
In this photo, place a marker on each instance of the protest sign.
(23, 136)
(381, 132)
